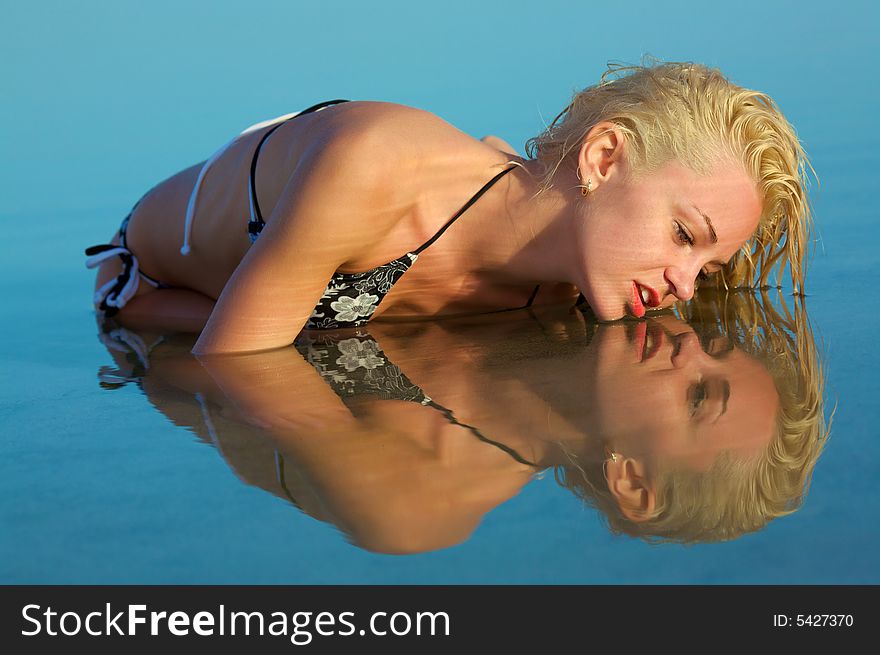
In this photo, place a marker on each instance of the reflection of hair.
(691, 114)
(736, 496)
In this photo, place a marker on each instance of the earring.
(612, 457)
(585, 190)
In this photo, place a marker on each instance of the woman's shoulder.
(389, 152)
(386, 176)
(377, 114)
(391, 129)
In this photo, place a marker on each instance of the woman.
(645, 182)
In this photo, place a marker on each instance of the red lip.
(638, 309)
(653, 296)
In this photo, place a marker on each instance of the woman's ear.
(601, 154)
(632, 489)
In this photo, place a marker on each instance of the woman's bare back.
(441, 169)
(219, 234)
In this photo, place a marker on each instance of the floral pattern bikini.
(349, 299)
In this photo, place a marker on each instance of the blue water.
(103, 99)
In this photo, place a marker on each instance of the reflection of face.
(648, 233)
(663, 398)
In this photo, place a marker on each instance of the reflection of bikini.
(357, 366)
(349, 299)
(135, 350)
(362, 369)
(353, 367)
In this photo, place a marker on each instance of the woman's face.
(663, 398)
(646, 238)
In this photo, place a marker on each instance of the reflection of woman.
(757, 363)
(407, 444)
(653, 178)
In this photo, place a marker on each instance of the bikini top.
(351, 298)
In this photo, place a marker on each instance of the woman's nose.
(681, 282)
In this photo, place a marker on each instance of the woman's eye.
(697, 395)
(682, 236)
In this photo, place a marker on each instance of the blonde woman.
(657, 176)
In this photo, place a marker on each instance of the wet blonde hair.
(735, 496)
(692, 114)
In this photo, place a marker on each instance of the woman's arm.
(336, 205)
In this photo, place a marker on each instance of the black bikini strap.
(532, 297)
(279, 474)
(123, 238)
(256, 226)
(461, 211)
(479, 435)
